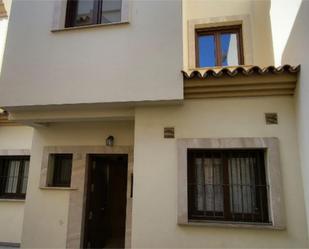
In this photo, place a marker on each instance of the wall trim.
(15, 152)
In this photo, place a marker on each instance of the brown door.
(106, 202)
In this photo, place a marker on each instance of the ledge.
(232, 225)
(9, 244)
(11, 200)
(87, 27)
(242, 81)
(57, 188)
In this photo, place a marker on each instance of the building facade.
(154, 124)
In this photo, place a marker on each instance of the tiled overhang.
(240, 81)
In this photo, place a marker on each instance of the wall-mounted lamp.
(109, 141)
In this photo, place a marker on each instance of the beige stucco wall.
(291, 39)
(138, 61)
(155, 171)
(258, 37)
(46, 211)
(11, 218)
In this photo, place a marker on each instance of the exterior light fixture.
(109, 141)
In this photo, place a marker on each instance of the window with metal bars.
(14, 176)
(90, 12)
(227, 185)
(60, 170)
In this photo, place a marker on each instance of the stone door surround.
(77, 199)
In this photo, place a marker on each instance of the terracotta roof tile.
(204, 73)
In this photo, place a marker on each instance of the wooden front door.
(106, 202)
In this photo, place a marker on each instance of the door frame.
(78, 189)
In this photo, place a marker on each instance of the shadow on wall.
(261, 18)
(296, 52)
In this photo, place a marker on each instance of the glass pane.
(62, 170)
(65, 174)
(229, 50)
(12, 177)
(84, 12)
(25, 179)
(242, 185)
(209, 184)
(213, 182)
(111, 11)
(199, 185)
(207, 51)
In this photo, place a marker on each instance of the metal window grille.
(14, 176)
(62, 168)
(227, 185)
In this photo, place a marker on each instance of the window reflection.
(229, 51)
(111, 11)
(84, 11)
(207, 55)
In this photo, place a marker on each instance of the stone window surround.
(244, 20)
(77, 190)
(273, 174)
(59, 15)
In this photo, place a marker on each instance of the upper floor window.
(219, 46)
(13, 176)
(89, 12)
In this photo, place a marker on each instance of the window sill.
(11, 200)
(58, 188)
(224, 224)
(221, 67)
(88, 26)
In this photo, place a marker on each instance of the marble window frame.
(78, 189)
(273, 175)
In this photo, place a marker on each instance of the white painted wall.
(11, 212)
(138, 61)
(46, 211)
(3, 30)
(289, 19)
(155, 172)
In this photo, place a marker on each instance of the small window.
(227, 185)
(14, 176)
(60, 168)
(89, 12)
(220, 46)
